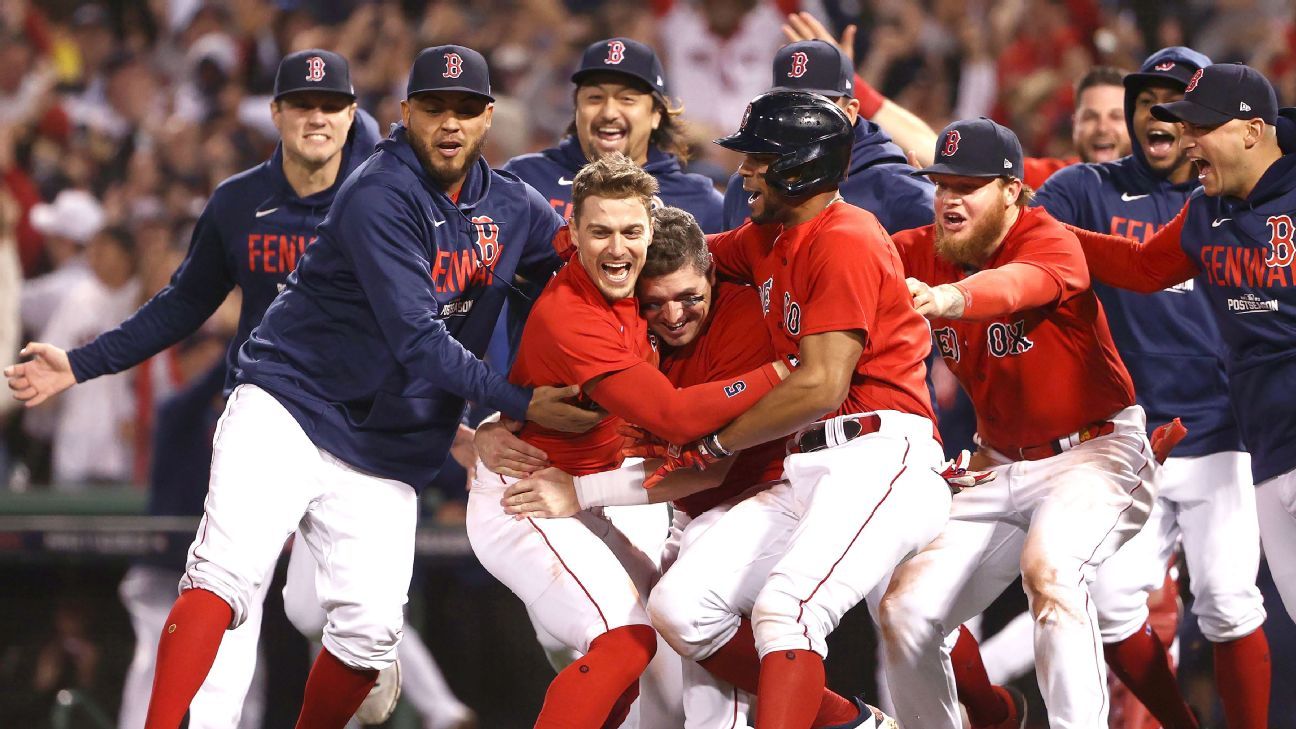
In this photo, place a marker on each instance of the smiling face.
(612, 237)
(313, 125)
(676, 304)
(1099, 132)
(447, 130)
(767, 205)
(972, 216)
(1218, 154)
(613, 114)
(1159, 140)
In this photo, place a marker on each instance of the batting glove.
(1166, 437)
(699, 456)
(959, 477)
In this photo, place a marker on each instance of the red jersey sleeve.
(645, 397)
(1042, 267)
(1143, 267)
(735, 250)
(846, 268)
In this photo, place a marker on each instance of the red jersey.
(732, 342)
(1037, 170)
(837, 272)
(1034, 351)
(572, 336)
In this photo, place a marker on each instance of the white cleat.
(381, 701)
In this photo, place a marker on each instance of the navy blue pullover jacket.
(878, 181)
(1168, 340)
(1246, 251)
(375, 343)
(551, 172)
(251, 234)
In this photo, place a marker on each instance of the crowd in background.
(118, 119)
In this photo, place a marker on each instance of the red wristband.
(870, 99)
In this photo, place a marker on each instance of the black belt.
(817, 437)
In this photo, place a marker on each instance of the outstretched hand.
(45, 375)
(804, 26)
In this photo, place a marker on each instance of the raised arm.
(642, 395)
(1144, 267)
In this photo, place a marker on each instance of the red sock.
(737, 662)
(1242, 676)
(586, 693)
(334, 691)
(1141, 663)
(621, 709)
(985, 706)
(190, 639)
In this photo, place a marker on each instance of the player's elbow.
(820, 390)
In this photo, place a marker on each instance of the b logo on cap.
(1164, 66)
(454, 66)
(951, 143)
(799, 62)
(616, 52)
(1192, 82)
(315, 69)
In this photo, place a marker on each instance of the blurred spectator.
(92, 431)
(717, 54)
(68, 224)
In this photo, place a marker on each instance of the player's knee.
(907, 626)
(363, 637)
(633, 645)
(685, 618)
(1052, 597)
(1227, 618)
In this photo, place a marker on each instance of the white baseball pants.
(1053, 521)
(1276, 504)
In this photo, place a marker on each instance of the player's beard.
(973, 246)
(447, 172)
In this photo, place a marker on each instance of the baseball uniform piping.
(580, 584)
(805, 629)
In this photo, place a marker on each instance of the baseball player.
(878, 179)
(1017, 323)
(830, 285)
(1204, 493)
(1097, 132)
(705, 331)
(621, 105)
(1234, 238)
(357, 377)
(251, 233)
(585, 328)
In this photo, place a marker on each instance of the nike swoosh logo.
(438, 223)
(263, 213)
(564, 181)
(1219, 221)
(1131, 198)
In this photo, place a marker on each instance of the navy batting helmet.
(810, 135)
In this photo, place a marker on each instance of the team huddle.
(758, 360)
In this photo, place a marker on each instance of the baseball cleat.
(870, 717)
(381, 701)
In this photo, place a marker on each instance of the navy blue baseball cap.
(1174, 65)
(813, 65)
(1222, 92)
(449, 68)
(313, 69)
(625, 56)
(976, 148)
